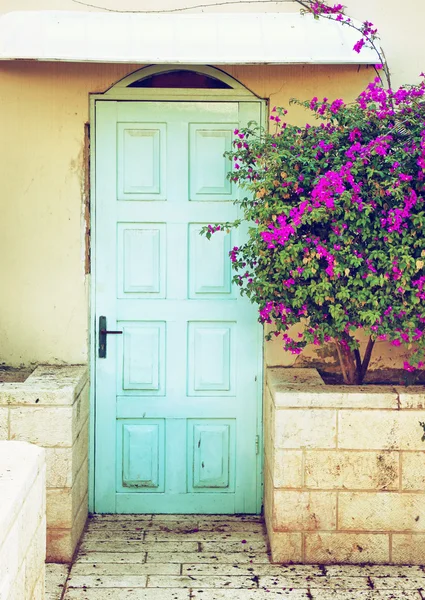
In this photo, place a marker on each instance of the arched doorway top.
(158, 82)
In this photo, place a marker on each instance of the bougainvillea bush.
(337, 219)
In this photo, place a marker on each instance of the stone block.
(305, 428)
(304, 511)
(413, 471)
(61, 542)
(352, 470)
(269, 427)
(80, 412)
(34, 564)
(80, 521)
(411, 397)
(408, 549)
(17, 587)
(288, 469)
(4, 423)
(386, 430)
(268, 497)
(285, 547)
(59, 508)
(63, 464)
(60, 547)
(22, 524)
(32, 513)
(334, 548)
(42, 426)
(59, 463)
(9, 556)
(47, 385)
(336, 397)
(80, 487)
(80, 449)
(282, 377)
(381, 511)
(39, 589)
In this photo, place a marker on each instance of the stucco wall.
(44, 300)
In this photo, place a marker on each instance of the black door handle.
(103, 332)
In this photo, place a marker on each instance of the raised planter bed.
(51, 408)
(344, 471)
(22, 521)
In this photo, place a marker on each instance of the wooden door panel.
(176, 395)
(211, 456)
(141, 260)
(141, 456)
(209, 265)
(208, 167)
(141, 161)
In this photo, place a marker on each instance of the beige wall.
(44, 291)
(44, 299)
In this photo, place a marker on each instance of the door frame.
(120, 91)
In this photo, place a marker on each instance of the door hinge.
(257, 444)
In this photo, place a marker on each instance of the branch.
(181, 8)
(358, 365)
(380, 53)
(367, 357)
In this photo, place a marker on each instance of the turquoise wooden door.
(176, 413)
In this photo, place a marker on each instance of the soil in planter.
(379, 377)
(13, 375)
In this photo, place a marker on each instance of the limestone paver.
(195, 557)
(108, 581)
(374, 570)
(209, 558)
(100, 569)
(249, 569)
(105, 535)
(363, 595)
(138, 546)
(297, 581)
(112, 557)
(248, 545)
(55, 581)
(400, 583)
(208, 536)
(129, 594)
(203, 581)
(250, 594)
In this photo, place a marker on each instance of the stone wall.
(51, 409)
(344, 471)
(22, 521)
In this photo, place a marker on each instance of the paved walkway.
(210, 558)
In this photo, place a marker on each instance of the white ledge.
(58, 385)
(307, 390)
(200, 38)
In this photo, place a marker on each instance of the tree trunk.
(349, 365)
(352, 367)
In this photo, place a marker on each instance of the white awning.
(195, 38)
